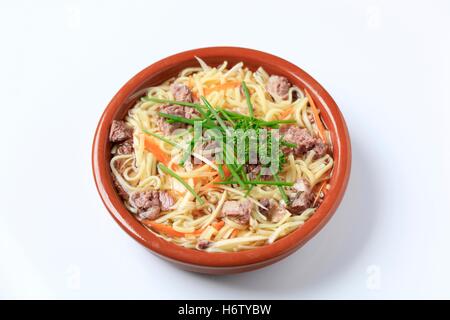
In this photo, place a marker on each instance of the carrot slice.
(234, 233)
(212, 184)
(321, 189)
(317, 117)
(285, 113)
(154, 148)
(168, 230)
(218, 225)
(223, 86)
(162, 228)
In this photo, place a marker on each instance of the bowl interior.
(170, 67)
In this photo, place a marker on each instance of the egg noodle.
(190, 220)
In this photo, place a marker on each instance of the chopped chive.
(221, 173)
(260, 122)
(187, 153)
(185, 156)
(177, 118)
(215, 114)
(236, 176)
(227, 117)
(196, 106)
(252, 186)
(256, 182)
(161, 138)
(184, 120)
(288, 144)
(247, 97)
(274, 122)
(177, 177)
(281, 189)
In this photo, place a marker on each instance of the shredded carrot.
(204, 169)
(196, 232)
(168, 230)
(321, 189)
(220, 87)
(319, 123)
(200, 179)
(234, 233)
(217, 179)
(285, 113)
(218, 225)
(154, 148)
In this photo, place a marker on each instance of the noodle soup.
(222, 159)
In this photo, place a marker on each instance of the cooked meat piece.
(180, 111)
(301, 185)
(125, 147)
(203, 244)
(190, 113)
(144, 200)
(300, 202)
(320, 149)
(168, 128)
(304, 141)
(207, 149)
(274, 212)
(173, 110)
(150, 203)
(265, 203)
(166, 200)
(238, 211)
(278, 86)
(121, 191)
(181, 92)
(301, 137)
(120, 131)
(152, 213)
(253, 171)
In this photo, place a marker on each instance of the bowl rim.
(331, 115)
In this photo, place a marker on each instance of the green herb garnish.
(166, 170)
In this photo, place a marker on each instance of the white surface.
(386, 63)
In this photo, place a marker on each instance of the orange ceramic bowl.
(221, 263)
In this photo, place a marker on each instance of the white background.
(386, 63)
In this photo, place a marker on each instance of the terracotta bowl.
(221, 263)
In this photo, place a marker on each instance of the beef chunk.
(207, 149)
(278, 86)
(181, 92)
(274, 212)
(150, 203)
(304, 141)
(301, 185)
(253, 171)
(320, 149)
(180, 111)
(125, 147)
(265, 203)
(168, 128)
(238, 211)
(120, 131)
(300, 202)
(203, 244)
(166, 200)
